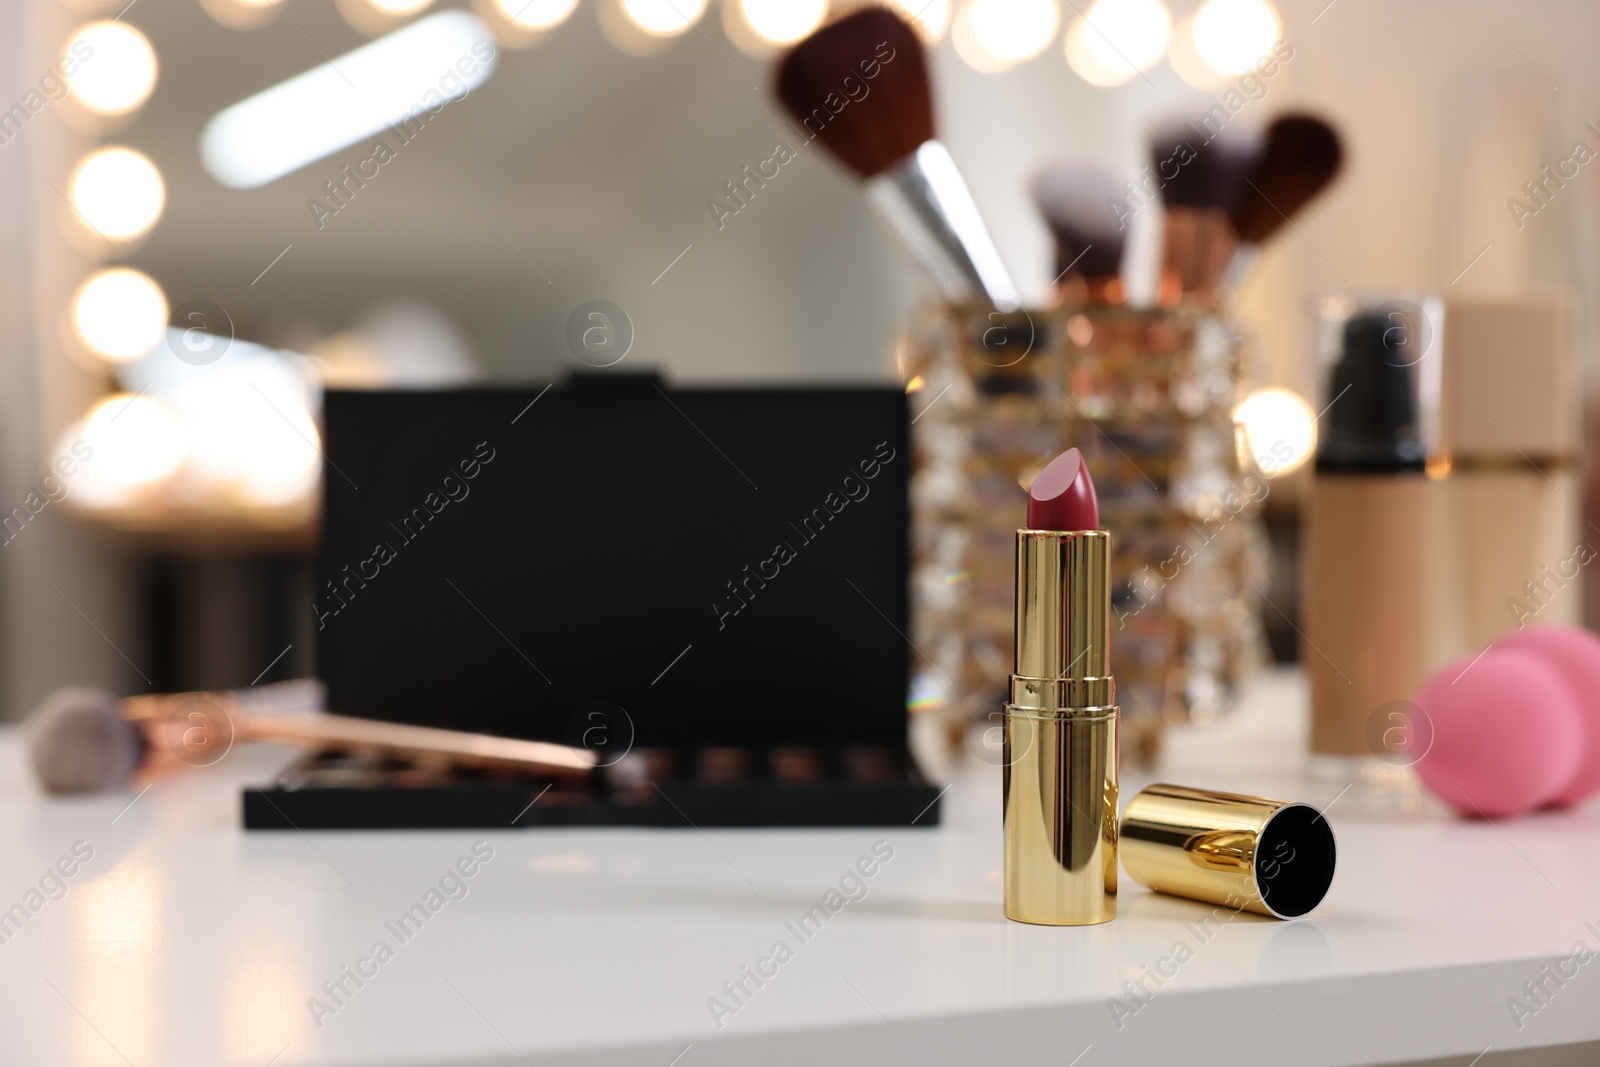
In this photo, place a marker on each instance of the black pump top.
(1371, 423)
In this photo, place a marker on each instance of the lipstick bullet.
(1060, 800)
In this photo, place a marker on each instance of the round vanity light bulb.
(930, 18)
(783, 21)
(1013, 31)
(113, 67)
(1280, 430)
(1231, 36)
(137, 440)
(536, 14)
(663, 18)
(120, 314)
(1117, 39)
(116, 192)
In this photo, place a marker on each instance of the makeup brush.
(1301, 158)
(859, 86)
(1085, 211)
(85, 740)
(80, 744)
(1201, 176)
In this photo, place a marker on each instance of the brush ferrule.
(927, 187)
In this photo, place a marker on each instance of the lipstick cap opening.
(1270, 857)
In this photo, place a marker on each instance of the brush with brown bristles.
(859, 87)
(1086, 212)
(1302, 157)
(1202, 176)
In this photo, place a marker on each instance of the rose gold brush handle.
(194, 714)
(422, 741)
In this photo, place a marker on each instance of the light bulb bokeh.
(535, 14)
(241, 14)
(1186, 60)
(969, 47)
(399, 8)
(663, 18)
(239, 432)
(1231, 36)
(116, 192)
(1090, 63)
(782, 22)
(254, 437)
(119, 313)
(1280, 430)
(115, 67)
(1117, 39)
(1010, 31)
(930, 18)
(133, 444)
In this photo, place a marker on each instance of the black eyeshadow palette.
(718, 577)
(710, 787)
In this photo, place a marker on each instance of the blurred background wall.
(577, 172)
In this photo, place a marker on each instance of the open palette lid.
(616, 562)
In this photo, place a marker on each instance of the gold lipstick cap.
(1271, 857)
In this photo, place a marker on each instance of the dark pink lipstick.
(1060, 777)
(1062, 496)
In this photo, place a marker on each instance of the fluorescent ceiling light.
(312, 115)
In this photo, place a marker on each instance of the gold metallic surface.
(1199, 843)
(1060, 797)
(1063, 605)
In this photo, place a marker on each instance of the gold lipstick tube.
(1061, 734)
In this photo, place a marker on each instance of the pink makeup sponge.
(1507, 734)
(1573, 653)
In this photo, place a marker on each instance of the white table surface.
(185, 940)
